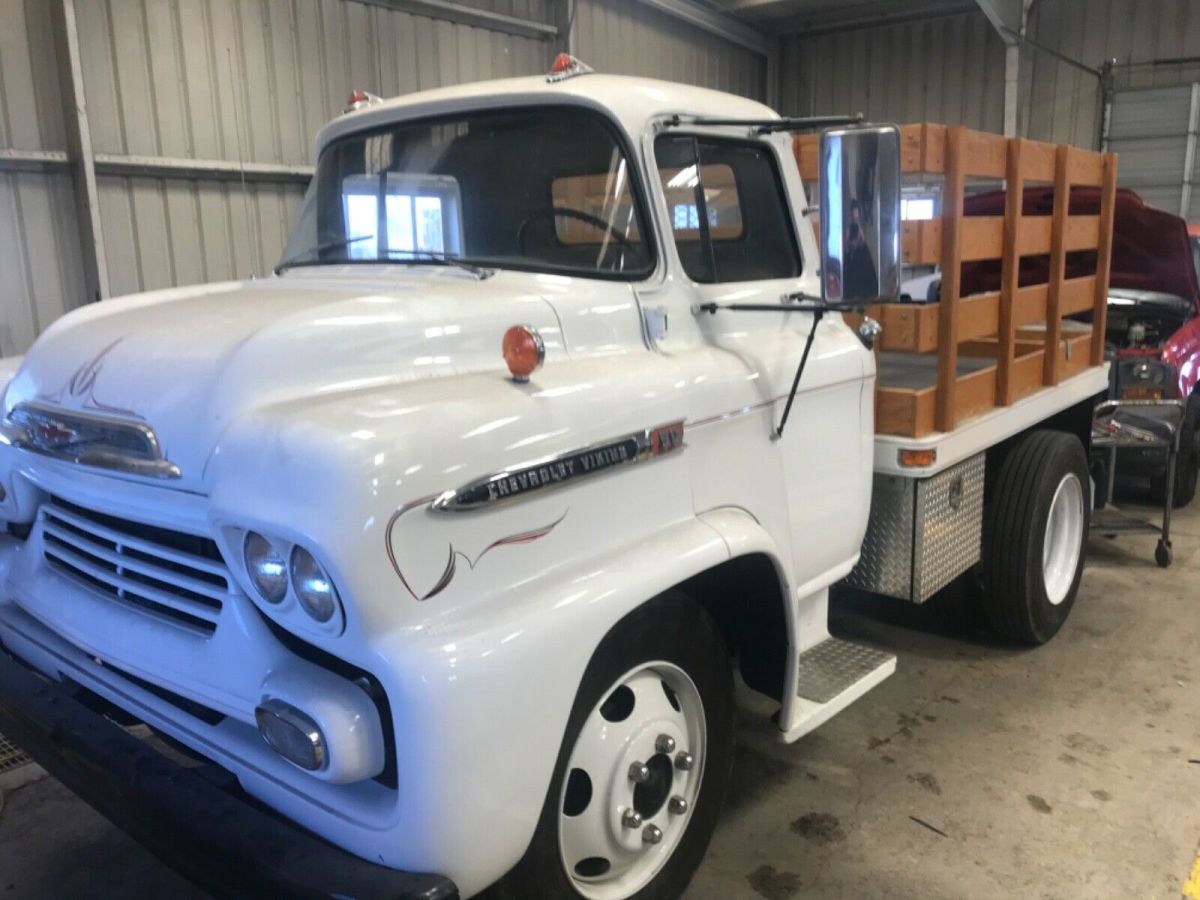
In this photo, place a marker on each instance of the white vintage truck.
(430, 558)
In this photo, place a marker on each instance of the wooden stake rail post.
(1019, 326)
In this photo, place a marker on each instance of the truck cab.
(443, 541)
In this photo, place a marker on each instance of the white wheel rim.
(605, 858)
(1064, 539)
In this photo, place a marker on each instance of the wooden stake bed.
(944, 362)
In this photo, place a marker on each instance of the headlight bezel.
(289, 612)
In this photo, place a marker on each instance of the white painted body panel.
(326, 406)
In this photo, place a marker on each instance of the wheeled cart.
(1142, 424)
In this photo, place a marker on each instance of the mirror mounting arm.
(814, 305)
(818, 313)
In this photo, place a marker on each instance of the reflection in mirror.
(860, 214)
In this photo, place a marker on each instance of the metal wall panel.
(1061, 103)
(41, 270)
(626, 37)
(161, 232)
(945, 69)
(196, 79)
(250, 79)
(1150, 132)
(31, 113)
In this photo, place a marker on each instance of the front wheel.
(643, 767)
(1035, 528)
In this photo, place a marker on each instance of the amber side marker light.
(914, 459)
(524, 351)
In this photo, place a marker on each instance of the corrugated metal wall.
(946, 69)
(1061, 103)
(41, 269)
(630, 38)
(220, 79)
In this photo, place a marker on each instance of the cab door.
(734, 217)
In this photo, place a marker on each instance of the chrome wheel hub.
(632, 781)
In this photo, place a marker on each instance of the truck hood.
(188, 362)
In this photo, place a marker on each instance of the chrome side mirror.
(860, 214)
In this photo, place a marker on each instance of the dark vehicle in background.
(1152, 336)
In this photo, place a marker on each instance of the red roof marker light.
(358, 99)
(567, 66)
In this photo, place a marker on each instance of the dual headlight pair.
(273, 571)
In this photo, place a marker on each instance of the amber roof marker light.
(524, 351)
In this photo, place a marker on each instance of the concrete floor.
(979, 770)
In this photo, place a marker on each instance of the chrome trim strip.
(735, 413)
(63, 436)
(557, 471)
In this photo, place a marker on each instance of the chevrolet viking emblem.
(528, 479)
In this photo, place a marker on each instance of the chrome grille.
(170, 574)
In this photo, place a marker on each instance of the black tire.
(1187, 463)
(672, 628)
(1014, 592)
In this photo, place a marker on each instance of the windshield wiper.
(320, 248)
(439, 258)
(385, 256)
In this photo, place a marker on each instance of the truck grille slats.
(173, 575)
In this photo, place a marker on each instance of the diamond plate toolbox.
(923, 532)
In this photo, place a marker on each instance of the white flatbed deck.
(985, 430)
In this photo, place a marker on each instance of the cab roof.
(631, 102)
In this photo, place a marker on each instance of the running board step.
(834, 665)
(830, 676)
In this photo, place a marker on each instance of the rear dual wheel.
(1035, 528)
(643, 767)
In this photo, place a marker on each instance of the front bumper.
(220, 842)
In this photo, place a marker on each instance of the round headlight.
(312, 586)
(266, 567)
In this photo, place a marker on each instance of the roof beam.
(716, 23)
(1006, 17)
(448, 11)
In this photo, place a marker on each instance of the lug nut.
(651, 834)
(677, 806)
(639, 772)
(631, 818)
(684, 761)
(665, 744)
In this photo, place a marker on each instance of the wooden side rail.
(993, 325)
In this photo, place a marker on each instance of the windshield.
(547, 189)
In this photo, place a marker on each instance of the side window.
(727, 209)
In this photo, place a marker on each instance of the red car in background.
(1152, 336)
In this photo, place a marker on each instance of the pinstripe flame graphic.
(82, 386)
(452, 561)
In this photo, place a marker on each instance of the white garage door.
(1154, 131)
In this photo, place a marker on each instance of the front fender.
(488, 696)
